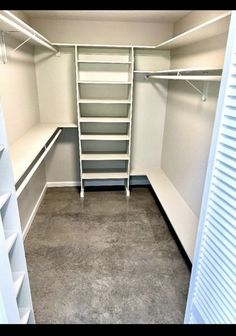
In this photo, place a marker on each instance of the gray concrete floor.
(104, 259)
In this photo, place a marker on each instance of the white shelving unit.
(104, 77)
(14, 283)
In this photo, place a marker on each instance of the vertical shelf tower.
(15, 297)
(104, 88)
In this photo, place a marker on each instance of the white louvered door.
(212, 291)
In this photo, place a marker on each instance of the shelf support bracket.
(3, 48)
(203, 94)
(20, 45)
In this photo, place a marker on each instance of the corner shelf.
(203, 31)
(4, 198)
(11, 23)
(10, 239)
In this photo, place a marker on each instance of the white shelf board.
(185, 70)
(10, 239)
(18, 278)
(107, 175)
(182, 218)
(104, 62)
(203, 31)
(4, 198)
(24, 150)
(103, 120)
(212, 78)
(104, 101)
(1, 147)
(20, 30)
(104, 82)
(104, 137)
(110, 156)
(24, 315)
(145, 71)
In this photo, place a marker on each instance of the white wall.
(103, 32)
(56, 85)
(18, 91)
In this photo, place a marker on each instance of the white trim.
(30, 220)
(63, 184)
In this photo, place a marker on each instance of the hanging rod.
(28, 33)
(187, 79)
(181, 77)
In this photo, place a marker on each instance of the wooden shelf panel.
(25, 150)
(10, 239)
(101, 157)
(104, 137)
(183, 220)
(18, 278)
(104, 175)
(104, 82)
(104, 62)
(203, 31)
(103, 120)
(24, 315)
(104, 101)
(4, 198)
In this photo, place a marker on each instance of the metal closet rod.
(23, 30)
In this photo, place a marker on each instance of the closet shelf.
(18, 278)
(203, 74)
(25, 149)
(203, 31)
(105, 175)
(110, 156)
(10, 239)
(20, 30)
(104, 137)
(104, 101)
(1, 147)
(24, 315)
(4, 198)
(103, 120)
(104, 82)
(104, 62)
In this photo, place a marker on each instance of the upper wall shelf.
(203, 31)
(21, 31)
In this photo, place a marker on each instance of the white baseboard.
(27, 227)
(63, 184)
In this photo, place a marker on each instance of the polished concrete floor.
(104, 259)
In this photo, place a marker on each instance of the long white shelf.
(104, 62)
(104, 137)
(18, 278)
(104, 82)
(203, 31)
(103, 120)
(25, 150)
(24, 315)
(212, 78)
(107, 175)
(183, 220)
(185, 70)
(20, 30)
(10, 239)
(4, 198)
(109, 156)
(104, 101)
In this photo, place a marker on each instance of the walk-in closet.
(117, 166)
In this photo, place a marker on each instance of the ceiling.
(164, 16)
